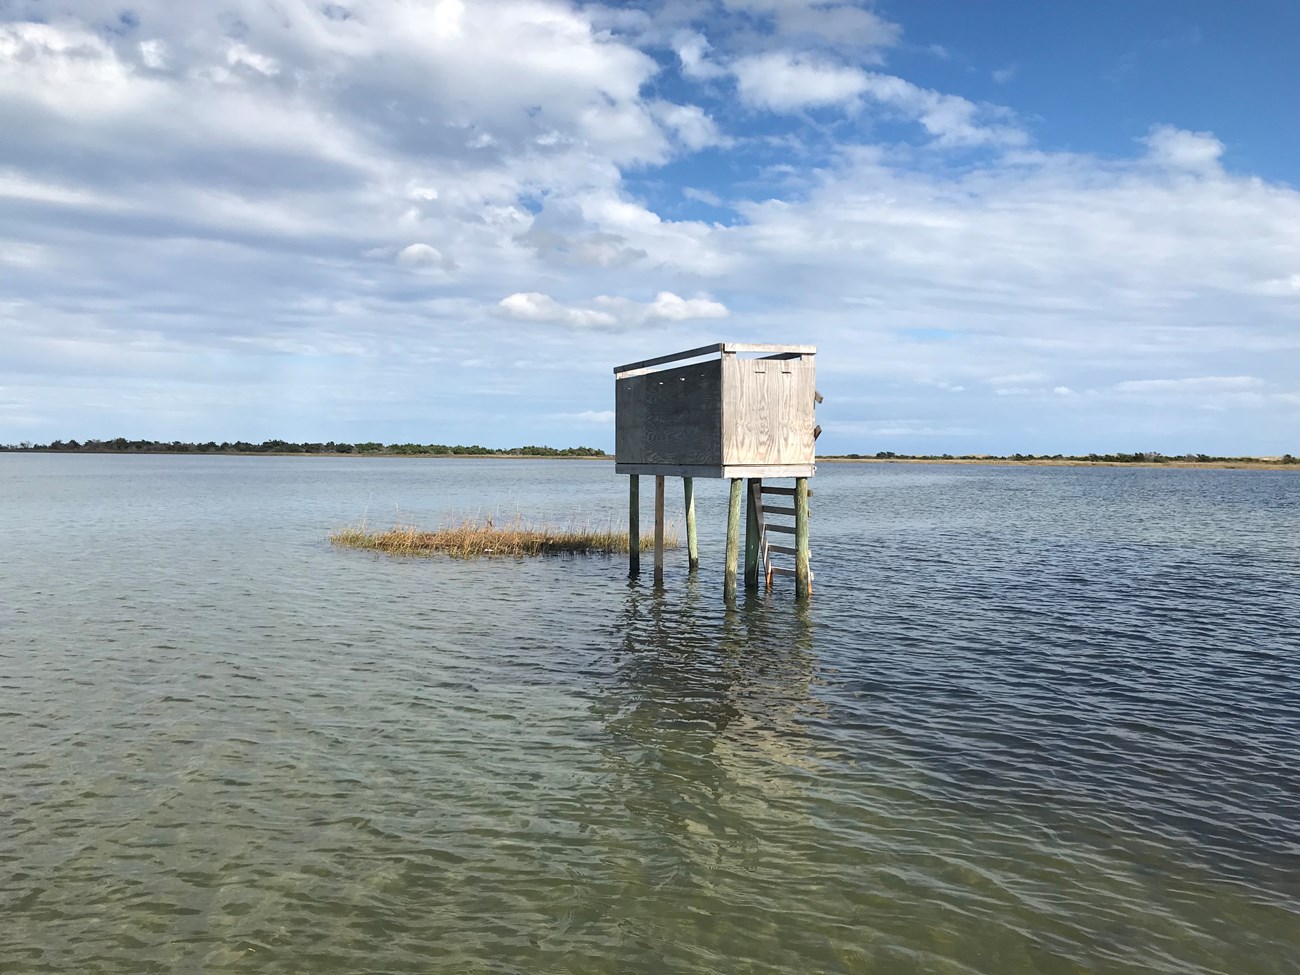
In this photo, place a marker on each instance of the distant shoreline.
(1262, 464)
(381, 455)
(1257, 464)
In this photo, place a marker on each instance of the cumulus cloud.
(951, 119)
(785, 82)
(422, 257)
(667, 307)
(692, 51)
(1180, 149)
(612, 312)
(689, 123)
(533, 306)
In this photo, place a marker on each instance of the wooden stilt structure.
(802, 571)
(634, 526)
(733, 541)
(745, 414)
(753, 531)
(659, 529)
(692, 547)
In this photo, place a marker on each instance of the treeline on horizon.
(1146, 457)
(374, 448)
(121, 445)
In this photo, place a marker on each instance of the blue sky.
(1007, 227)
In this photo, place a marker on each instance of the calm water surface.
(1036, 720)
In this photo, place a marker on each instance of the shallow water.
(1035, 720)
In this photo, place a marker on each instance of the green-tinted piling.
(659, 529)
(753, 531)
(634, 525)
(802, 570)
(733, 541)
(692, 548)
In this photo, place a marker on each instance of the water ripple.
(1035, 721)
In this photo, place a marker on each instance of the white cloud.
(692, 51)
(951, 119)
(693, 128)
(153, 54)
(1283, 287)
(702, 196)
(20, 255)
(668, 307)
(785, 82)
(841, 24)
(1193, 385)
(612, 312)
(422, 257)
(1180, 149)
(239, 55)
(536, 307)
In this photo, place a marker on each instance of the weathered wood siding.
(767, 410)
(671, 417)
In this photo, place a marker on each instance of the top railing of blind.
(724, 348)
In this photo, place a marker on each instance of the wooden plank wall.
(767, 410)
(671, 417)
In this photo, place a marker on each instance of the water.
(1036, 720)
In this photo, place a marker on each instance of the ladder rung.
(788, 492)
(786, 549)
(776, 509)
(783, 529)
(776, 570)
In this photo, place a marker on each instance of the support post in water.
(659, 529)
(802, 571)
(634, 525)
(692, 549)
(733, 541)
(753, 539)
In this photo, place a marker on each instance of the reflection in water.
(706, 751)
(735, 682)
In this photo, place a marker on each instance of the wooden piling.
(692, 549)
(634, 525)
(733, 541)
(802, 571)
(659, 529)
(753, 536)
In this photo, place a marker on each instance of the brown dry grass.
(474, 537)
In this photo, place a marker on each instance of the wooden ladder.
(766, 548)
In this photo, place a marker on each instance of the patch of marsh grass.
(475, 537)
